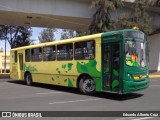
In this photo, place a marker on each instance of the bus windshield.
(136, 54)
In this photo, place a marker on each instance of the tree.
(47, 35)
(102, 18)
(157, 3)
(17, 36)
(66, 34)
(81, 33)
(140, 18)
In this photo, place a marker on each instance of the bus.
(115, 61)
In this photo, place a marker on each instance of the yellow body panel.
(64, 73)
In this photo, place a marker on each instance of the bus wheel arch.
(28, 78)
(83, 80)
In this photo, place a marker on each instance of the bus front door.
(111, 66)
(20, 66)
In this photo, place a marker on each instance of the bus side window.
(49, 53)
(36, 54)
(91, 49)
(70, 51)
(65, 52)
(84, 50)
(27, 55)
(15, 56)
(77, 51)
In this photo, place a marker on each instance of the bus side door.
(111, 63)
(20, 66)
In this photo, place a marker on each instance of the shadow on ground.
(105, 95)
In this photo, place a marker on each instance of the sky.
(35, 34)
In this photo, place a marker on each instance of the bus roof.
(118, 32)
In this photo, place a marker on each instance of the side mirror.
(126, 47)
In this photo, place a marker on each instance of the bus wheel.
(28, 79)
(87, 85)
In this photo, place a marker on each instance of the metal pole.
(5, 58)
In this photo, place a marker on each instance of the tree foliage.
(81, 33)
(17, 36)
(66, 34)
(47, 35)
(102, 18)
(140, 18)
(157, 3)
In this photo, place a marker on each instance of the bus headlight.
(136, 77)
(129, 76)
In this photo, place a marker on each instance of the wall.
(2, 62)
(154, 55)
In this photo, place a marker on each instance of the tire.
(28, 79)
(87, 85)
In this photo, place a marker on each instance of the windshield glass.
(136, 54)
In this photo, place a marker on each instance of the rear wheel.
(28, 79)
(87, 85)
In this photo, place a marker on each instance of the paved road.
(16, 96)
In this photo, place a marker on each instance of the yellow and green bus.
(115, 61)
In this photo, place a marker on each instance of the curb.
(154, 76)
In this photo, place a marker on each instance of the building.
(2, 62)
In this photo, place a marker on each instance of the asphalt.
(16, 96)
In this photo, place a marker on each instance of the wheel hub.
(89, 85)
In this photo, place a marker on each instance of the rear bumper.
(131, 86)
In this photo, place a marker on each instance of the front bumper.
(131, 86)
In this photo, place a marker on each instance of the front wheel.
(28, 79)
(87, 85)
